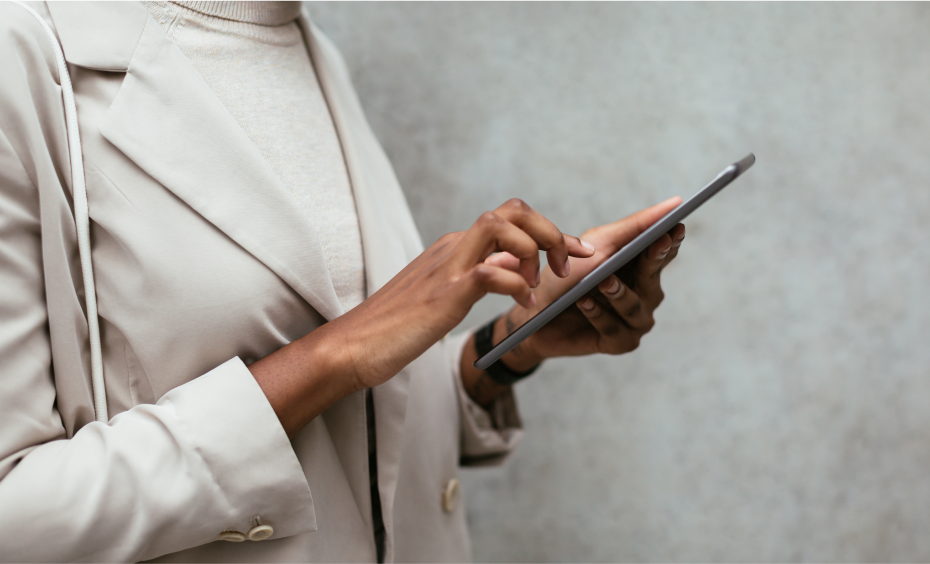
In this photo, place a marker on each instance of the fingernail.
(587, 245)
(532, 299)
(568, 267)
(663, 254)
(613, 287)
(538, 277)
(587, 304)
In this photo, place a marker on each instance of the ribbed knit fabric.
(259, 13)
(252, 55)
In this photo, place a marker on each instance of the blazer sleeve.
(209, 457)
(487, 435)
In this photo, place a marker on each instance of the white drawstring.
(82, 220)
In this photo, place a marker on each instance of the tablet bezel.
(615, 262)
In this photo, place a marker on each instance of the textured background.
(780, 410)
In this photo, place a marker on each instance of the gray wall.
(780, 410)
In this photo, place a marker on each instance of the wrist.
(306, 377)
(335, 357)
(478, 385)
(524, 356)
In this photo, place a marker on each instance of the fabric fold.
(487, 435)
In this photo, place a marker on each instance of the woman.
(241, 213)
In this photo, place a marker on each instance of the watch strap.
(499, 372)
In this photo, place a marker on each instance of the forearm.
(479, 386)
(371, 343)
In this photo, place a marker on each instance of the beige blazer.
(203, 263)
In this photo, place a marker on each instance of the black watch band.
(484, 342)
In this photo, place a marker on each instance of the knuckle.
(487, 219)
(482, 274)
(516, 205)
(450, 237)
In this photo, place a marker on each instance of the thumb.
(619, 233)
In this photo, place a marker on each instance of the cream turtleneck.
(253, 57)
(259, 13)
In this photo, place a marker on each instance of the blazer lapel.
(389, 240)
(168, 121)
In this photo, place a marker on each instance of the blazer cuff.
(228, 421)
(487, 435)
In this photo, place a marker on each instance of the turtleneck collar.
(260, 13)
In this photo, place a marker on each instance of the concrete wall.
(780, 410)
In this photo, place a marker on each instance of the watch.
(499, 372)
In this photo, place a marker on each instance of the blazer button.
(260, 533)
(450, 497)
(232, 536)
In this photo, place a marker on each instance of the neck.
(261, 12)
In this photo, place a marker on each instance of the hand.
(610, 320)
(374, 341)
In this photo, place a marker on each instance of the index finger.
(558, 246)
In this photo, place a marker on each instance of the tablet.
(617, 260)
